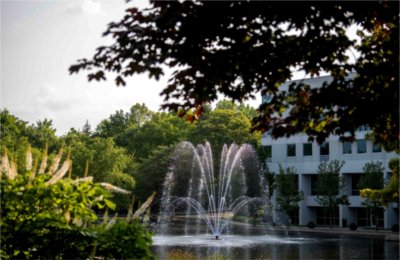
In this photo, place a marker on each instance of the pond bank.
(365, 232)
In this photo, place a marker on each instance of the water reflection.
(277, 247)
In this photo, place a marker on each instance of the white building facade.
(305, 157)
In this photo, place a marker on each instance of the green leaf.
(110, 204)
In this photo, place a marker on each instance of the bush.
(311, 224)
(395, 228)
(124, 241)
(44, 216)
(353, 226)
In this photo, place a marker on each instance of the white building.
(305, 157)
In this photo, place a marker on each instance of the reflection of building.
(297, 152)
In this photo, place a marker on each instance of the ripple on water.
(226, 241)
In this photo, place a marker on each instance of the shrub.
(353, 226)
(395, 228)
(124, 240)
(44, 216)
(311, 224)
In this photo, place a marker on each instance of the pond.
(256, 244)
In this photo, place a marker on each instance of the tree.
(11, 129)
(119, 122)
(252, 46)
(288, 194)
(105, 161)
(139, 114)
(86, 129)
(390, 193)
(330, 187)
(151, 173)
(114, 126)
(42, 134)
(162, 130)
(373, 179)
(247, 110)
(224, 126)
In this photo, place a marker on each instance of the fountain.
(214, 198)
(198, 194)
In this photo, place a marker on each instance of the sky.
(40, 40)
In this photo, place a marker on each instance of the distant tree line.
(131, 149)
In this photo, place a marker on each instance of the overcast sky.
(40, 40)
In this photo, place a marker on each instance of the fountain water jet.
(215, 198)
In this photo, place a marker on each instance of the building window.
(291, 150)
(361, 146)
(346, 147)
(307, 149)
(324, 217)
(355, 179)
(313, 184)
(376, 148)
(324, 152)
(324, 149)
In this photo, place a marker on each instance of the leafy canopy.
(288, 193)
(239, 48)
(330, 187)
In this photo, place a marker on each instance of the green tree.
(390, 193)
(255, 46)
(151, 173)
(113, 127)
(224, 126)
(162, 130)
(373, 179)
(11, 129)
(42, 134)
(247, 110)
(117, 123)
(16, 136)
(288, 194)
(330, 187)
(87, 129)
(106, 162)
(139, 114)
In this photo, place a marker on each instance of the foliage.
(16, 133)
(161, 130)
(252, 46)
(395, 228)
(353, 226)
(330, 187)
(106, 162)
(224, 126)
(390, 193)
(288, 193)
(373, 179)
(38, 214)
(311, 224)
(125, 241)
(152, 171)
(44, 216)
